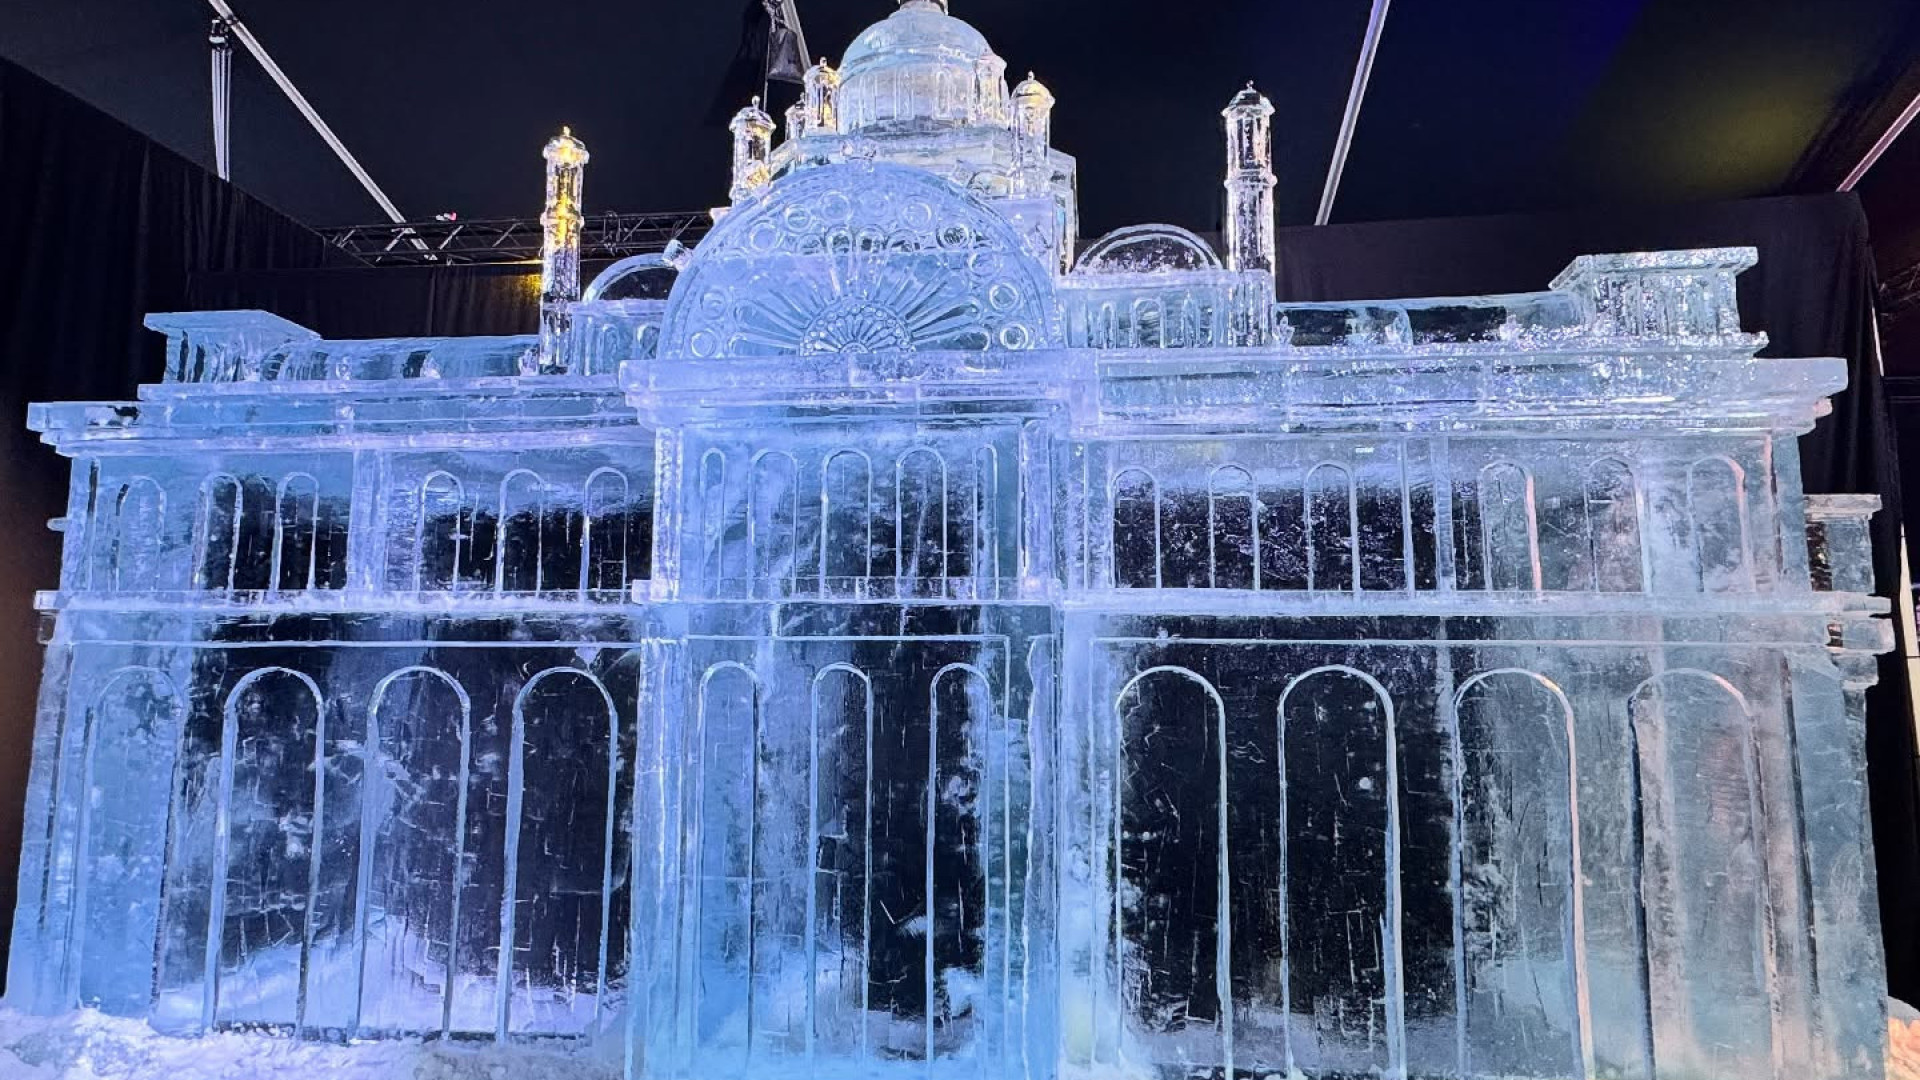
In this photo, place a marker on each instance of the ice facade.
(888, 640)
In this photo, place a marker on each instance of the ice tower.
(891, 641)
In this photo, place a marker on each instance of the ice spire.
(820, 101)
(752, 147)
(1032, 134)
(1250, 181)
(560, 222)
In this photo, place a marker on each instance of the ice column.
(1250, 181)
(990, 91)
(560, 249)
(819, 102)
(1032, 135)
(752, 147)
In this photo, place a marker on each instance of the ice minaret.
(1032, 134)
(560, 248)
(752, 146)
(1250, 181)
(819, 102)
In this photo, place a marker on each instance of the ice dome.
(921, 69)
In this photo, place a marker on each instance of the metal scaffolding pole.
(1350, 120)
(279, 77)
(220, 42)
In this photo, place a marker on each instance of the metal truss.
(509, 240)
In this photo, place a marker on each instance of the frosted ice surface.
(888, 641)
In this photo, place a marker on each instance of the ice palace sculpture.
(886, 641)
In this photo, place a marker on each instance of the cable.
(1362, 72)
(300, 102)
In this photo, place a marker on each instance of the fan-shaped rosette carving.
(860, 259)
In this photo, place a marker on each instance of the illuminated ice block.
(894, 639)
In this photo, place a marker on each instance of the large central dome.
(921, 70)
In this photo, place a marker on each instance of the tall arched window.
(296, 534)
(723, 801)
(1709, 924)
(413, 858)
(1717, 513)
(1136, 530)
(217, 533)
(1509, 530)
(1517, 893)
(840, 910)
(773, 520)
(605, 570)
(1340, 897)
(846, 517)
(1233, 529)
(920, 522)
(445, 533)
(1333, 527)
(1173, 912)
(272, 742)
(129, 747)
(135, 536)
(561, 828)
(1612, 502)
(518, 537)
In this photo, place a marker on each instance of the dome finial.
(922, 5)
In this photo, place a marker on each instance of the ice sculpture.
(916, 647)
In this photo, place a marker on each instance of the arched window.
(1717, 512)
(272, 743)
(560, 833)
(129, 748)
(445, 533)
(604, 568)
(1509, 531)
(413, 858)
(1174, 913)
(716, 512)
(296, 534)
(920, 523)
(1333, 527)
(1136, 530)
(1709, 924)
(1518, 878)
(846, 516)
(519, 536)
(1340, 901)
(840, 813)
(773, 520)
(135, 536)
(1233, 529)
(981, 551)
(1612, 503)
(217, 533)
(720, 844)
(958, 815)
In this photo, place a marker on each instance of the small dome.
(919, 69)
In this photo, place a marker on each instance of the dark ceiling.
(1475, 106)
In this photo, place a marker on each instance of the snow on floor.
(85, 1045)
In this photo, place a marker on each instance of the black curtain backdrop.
(1812, 293)
(98, 225)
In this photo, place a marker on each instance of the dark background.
(1593, 126)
